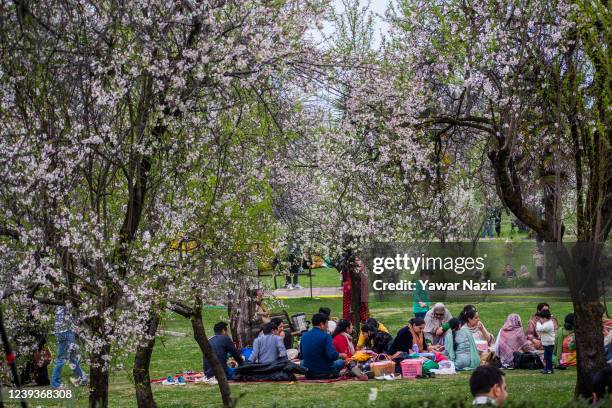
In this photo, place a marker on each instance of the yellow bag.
(361, 357)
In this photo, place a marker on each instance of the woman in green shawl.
(460, 346)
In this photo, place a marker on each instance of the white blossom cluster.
(125, 127)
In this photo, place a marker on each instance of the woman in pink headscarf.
(510, 339)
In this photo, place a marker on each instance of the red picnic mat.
(191, 377)
(303, 379)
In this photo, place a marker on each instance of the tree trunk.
(98, 392)
(240, 312)
(589, 345)
(553, 220)
(582, 272)
(200, 337)
(142, 360)
(550, 263)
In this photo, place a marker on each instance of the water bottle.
(415, 349)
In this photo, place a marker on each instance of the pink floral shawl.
(510, 339)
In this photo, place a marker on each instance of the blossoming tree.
(108, 109)
(515, 89)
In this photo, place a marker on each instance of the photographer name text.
(403, 285)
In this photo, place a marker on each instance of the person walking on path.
(295, 258)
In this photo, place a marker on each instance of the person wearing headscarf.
(436, 323)
(511, 339)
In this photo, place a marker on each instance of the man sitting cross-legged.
(318, 353)
(222, 345)
(268, 347)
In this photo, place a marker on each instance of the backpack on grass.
(527, 361)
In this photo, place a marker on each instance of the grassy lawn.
(524, 386)
(174, 354)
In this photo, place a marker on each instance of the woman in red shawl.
(510, 339)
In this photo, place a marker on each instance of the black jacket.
(279, 370)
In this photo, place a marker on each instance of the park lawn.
(173, 354)
(522, 386)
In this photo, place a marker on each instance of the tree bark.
(142, 361)
(589, 340)
(550, 263)
(241, 313)
(582, 271)
(98, 393)
(200, 337)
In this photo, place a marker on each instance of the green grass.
(525, 386)
(175, 354)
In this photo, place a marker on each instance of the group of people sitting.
(467, 342)
(472, 342)
(327, 350)
(268, 346)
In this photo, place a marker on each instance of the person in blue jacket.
(222, 345)
(318, 353)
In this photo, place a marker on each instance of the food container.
(411, 367)
(381, 368)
